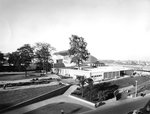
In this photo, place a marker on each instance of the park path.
(62, 98)
(29, 86)
(29, 79)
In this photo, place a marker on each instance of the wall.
(128, 72)
(110, 75)
(73, 73)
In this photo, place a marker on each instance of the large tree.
(26, 55)
(14, 60)
(78, 50)
(43, 55)
(2, 59)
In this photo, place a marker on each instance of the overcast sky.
(113, 29)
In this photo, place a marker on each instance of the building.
(97, 74)
(92, 68)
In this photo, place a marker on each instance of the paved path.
(29, 86)
(28, 80)
(62, 98)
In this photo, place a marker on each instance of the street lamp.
(136, 88)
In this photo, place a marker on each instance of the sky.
(113, 29)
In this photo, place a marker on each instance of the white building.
(97, 74)
(90, 69)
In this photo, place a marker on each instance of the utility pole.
(136, 88)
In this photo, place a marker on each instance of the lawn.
(9, 76)
(68, 108)
(9, 98)
(130, 81)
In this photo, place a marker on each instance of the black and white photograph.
(74, 57)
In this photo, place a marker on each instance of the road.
(121, 107)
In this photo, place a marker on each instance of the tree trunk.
(90, 94)
(82, 91)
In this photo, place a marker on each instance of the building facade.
(92, 68)
(97, 74)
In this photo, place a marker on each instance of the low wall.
(48, 95)
(82, 100)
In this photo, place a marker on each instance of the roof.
(63, 53)
(108, 69)
(91, 59)
(98, 62)
(59, 65)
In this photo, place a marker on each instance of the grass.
(68, 108)
(130, 81)
(9, 98)
(8, 76)
(125, 82)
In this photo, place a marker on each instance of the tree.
(78, 50)
(43, 55)
(14, 60)
(82, 82)
(90, 87)
(2, 59)
(26, 55)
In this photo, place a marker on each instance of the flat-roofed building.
(97, 74)
(92, 68)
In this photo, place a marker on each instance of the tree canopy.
(26, 55)
(78, 49)
(2, 59)
(43, 55)
(13, 58)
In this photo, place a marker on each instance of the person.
(135, 112)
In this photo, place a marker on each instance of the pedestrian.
(135, 112)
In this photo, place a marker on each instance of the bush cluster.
(99, 92)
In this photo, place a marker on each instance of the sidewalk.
(30, 86)
(28, 80)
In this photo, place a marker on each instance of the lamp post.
(136, 88)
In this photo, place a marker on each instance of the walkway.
(28, 80)
(62, 98)
(29, 86)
